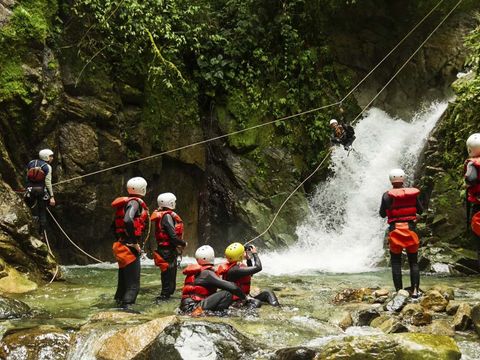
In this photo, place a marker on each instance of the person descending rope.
(235, 271)
(343, 134)
(169, 235)
(199, 292)
(401, 205)
(131, 214)
(472, 180)
(39, 192)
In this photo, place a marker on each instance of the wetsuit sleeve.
(210, 279)
(384, 205)
(48, 180)
(471, 175)
(169, 226)
(131, 211)
(238, 272)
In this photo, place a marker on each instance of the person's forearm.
(48, 182)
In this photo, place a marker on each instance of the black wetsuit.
(346, 138)
(129, 276)
(218, 301)
(236, 272)
(471, 179)
(38, 194)
(170, 255)
(396, 259)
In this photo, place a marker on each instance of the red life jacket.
(196, 292)
(160, 234)
(139, 221)
(474, 190)
(243, 283)
(404, 204)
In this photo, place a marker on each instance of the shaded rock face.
(44, 342)
(12, 309)
(297, 353)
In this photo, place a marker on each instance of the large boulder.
(398, 301)
(391, 347)
(295, 353)
(434, 300)
(475, 313)
(463, 317)
(43, 342)
(414, 314)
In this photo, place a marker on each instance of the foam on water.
(344, 233)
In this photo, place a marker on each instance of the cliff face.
(96, 90)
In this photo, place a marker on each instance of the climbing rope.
(69, 239)
(355, 120)
(51, 253)
(289, 117)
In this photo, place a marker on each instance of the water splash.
(344, 232)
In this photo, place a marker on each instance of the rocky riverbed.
(332, 316)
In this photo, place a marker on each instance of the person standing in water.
(400, 205)
(131, 214)
(236, 271)
(39, 190)
(472, 180)
(169, 236)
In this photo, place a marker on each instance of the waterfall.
(344, 233)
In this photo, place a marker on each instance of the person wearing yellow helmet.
(236, 271)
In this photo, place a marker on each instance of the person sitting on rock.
(343, 134)
(236, 271)
(131, 214)
(199, 292)
(39, 190)
(401, 205)
(472, 179)
(169, 234)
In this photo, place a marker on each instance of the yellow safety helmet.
(234, 252)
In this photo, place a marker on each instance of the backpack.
(36, 174)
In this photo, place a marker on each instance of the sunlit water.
(344, 232)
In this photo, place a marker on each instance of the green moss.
(12, 82)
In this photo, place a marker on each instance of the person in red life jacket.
(199, 292)
(131, 215)
(472, 180)
(39, 190)
(400, 205)
(240, 274)
(168, 234)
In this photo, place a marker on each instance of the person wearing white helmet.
(199, 292)
(169, 236)
(342, 133)
(39, 190)
(131, 215)
(400, 206)
(472, 180)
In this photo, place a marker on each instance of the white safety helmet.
(45, 154)
(333, 122)
(396, 176)
(167, 200)
(473, 144)
(137, 186)
(205, 255)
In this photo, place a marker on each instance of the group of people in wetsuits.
(210, 289)
(201, 280)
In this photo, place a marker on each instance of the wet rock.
(452, 307)
(128, 343)
(351, 295)
(434, 300)
(414, 314)
(475, 313)
(446, 291)
(43, 342)
(344, 321)
(391, 347)
(381, 292)
(112, 316)
(12, 309)
(390, 325)
(398, 301)
(295, 353)
(365, 317)
(437, 327)
(463, 317)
